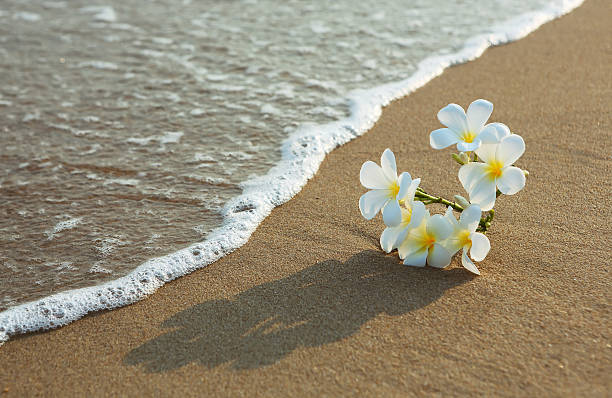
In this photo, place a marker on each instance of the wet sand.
(311, 306)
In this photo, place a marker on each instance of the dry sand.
(311, 306)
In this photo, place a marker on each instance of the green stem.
(485, 221)
(426, 198)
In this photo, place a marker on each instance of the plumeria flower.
(499, 151)
(461, 129)
(387, 189)
(464, 236)
(423, 244)
(411, 215)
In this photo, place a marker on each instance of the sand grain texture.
(311, 306)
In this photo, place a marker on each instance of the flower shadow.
(321, 304)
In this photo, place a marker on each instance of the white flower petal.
(511, 181)
(371, 176)
(389, 238)
(419, 212)
(467, 263)
(392, 213)
(493, 133)
(483, 193)
(468, 146)
(416, 258)
(478, 113)
(439, 256)
(406, 243)
(410, 240)
(404, 182)
(470, 218)
(486, 152)
(439, 227)
(480, 246)
(452, 244)
(450, 216)
(453, 117)
(510, 149)
(470, 174)
(448, 212)
(407, 191)
(402, 244)
(443, 138)
(371, 202)
(387, 161)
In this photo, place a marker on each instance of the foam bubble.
(62, 226)
(162, 40)
(98, 269)
(101, 13)
(108, 245)
(98, 65)
(141, 141)
(170, 137)
(270, 109)
(90, 119)
(201, 157)
(319, 27)
(123, 181)
(197, 112)
(27, 16)
(31, 117)
(216, 78)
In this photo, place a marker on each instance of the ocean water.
(142, 140)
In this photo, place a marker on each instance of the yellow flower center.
(393, 190)
(427, 241)
(464, 238)
(406, 216)
(468, 136)
(494, 169)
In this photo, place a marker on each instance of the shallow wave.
(302, 153)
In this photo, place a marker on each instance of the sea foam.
(302, 153)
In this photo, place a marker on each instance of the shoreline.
(302, 152)
(310, 305)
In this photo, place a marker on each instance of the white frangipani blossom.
(423, 244)
(461, 128)
(387, 189)
(499, 151)
(411, 214)
(464, 236)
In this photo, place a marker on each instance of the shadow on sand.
(321, 304)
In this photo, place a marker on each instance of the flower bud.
(457, 159)
(463, 202)
(461, 158)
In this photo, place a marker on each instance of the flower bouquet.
(487, 153)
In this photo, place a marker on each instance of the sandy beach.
(311, 306)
